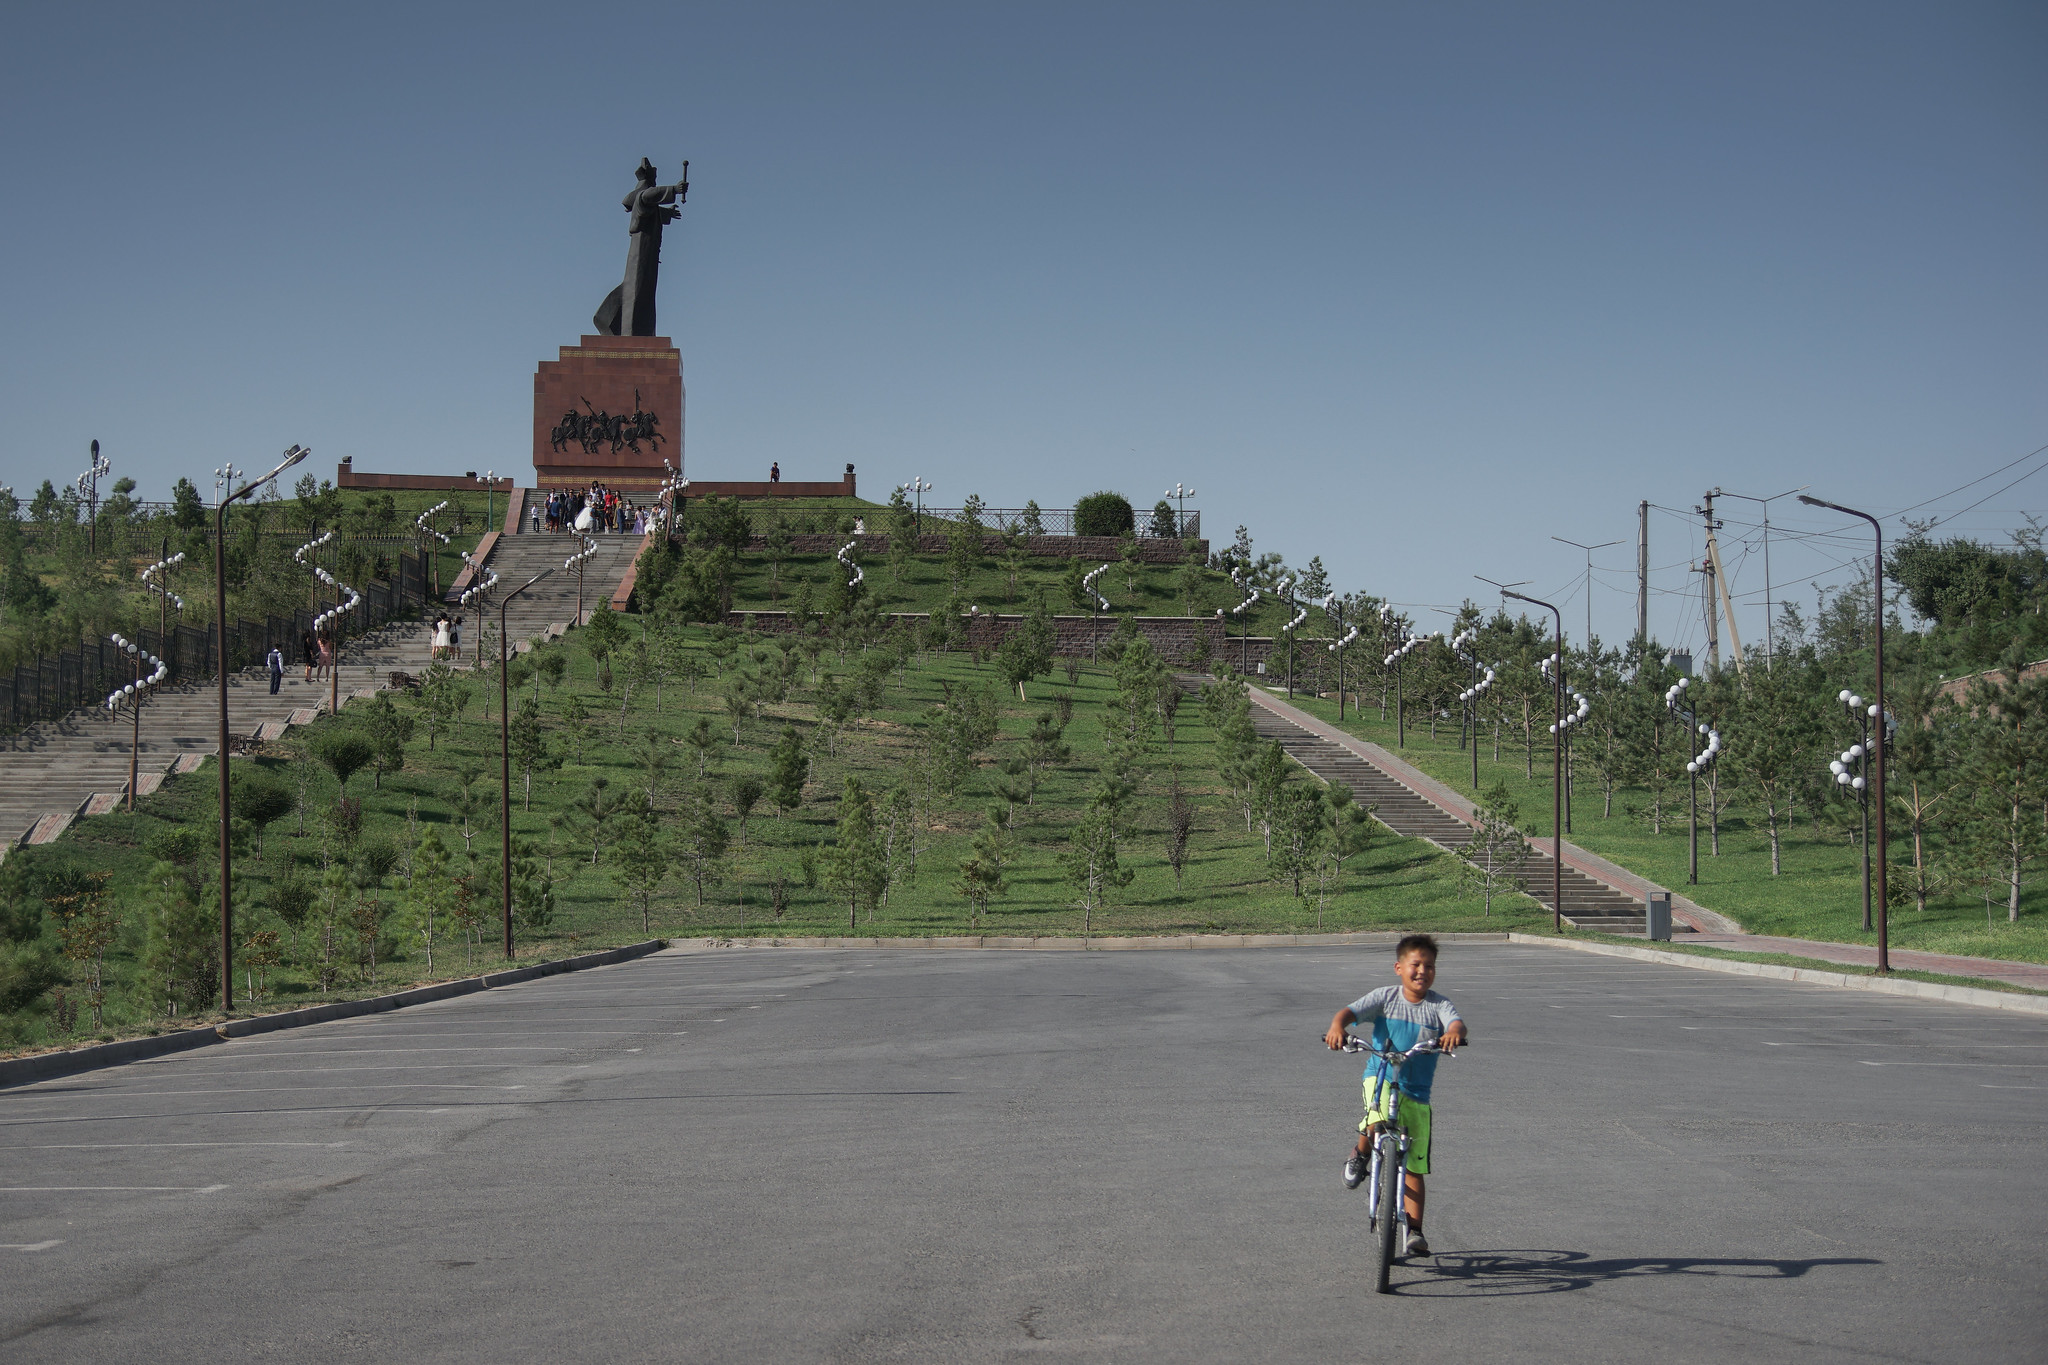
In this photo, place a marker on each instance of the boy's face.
(1416, 971)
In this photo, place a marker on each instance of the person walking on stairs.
(276, 665)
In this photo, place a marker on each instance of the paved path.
(801, 1155)
(1714, 929)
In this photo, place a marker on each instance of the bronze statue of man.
(629, 309)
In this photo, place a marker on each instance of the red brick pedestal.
(605, 371)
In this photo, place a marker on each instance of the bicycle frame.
(1393, 1127)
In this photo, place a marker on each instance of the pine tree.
(702, 838)
(789, 768)
(855, 870)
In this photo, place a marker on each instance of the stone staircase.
(1588, 904)
(53, 772)
(552, 602)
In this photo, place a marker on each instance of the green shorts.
(1414, 1117)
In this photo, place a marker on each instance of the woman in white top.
(440, 636)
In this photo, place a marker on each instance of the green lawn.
(1397, 884)
(1817, 896)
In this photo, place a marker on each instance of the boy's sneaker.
(1354, 1172)
(1416, 1245)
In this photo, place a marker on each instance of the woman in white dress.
(440, 637)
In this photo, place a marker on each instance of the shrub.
(1104, 514)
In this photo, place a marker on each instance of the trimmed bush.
(1104, 514)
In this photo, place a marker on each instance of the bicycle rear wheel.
(1389, 1191)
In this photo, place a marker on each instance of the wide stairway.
(1588, 904)
(553, 601)
(51, 772)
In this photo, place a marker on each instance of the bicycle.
(1386, 1207)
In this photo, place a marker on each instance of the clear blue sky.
(1410, 286)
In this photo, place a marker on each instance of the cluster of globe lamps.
(1674, 696)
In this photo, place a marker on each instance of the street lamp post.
(489, 479)
(917, 487)
(220, 641)
(133, 694)
(1180, 495)
(1589, 577)
(1334, 605)
(1766, 502)
(576, 562)
(1251, 592)
(1556, 769)
(1877, 710)
(89, 484)
(1698, 761)
(505, 757)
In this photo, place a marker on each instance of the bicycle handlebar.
(1354, 1043)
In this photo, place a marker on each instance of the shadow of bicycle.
(1488, 1273)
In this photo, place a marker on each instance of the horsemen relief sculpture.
(594, 428)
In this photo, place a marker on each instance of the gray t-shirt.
(1400, 1024)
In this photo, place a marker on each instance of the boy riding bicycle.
(1401, 1016)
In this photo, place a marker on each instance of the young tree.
(345, 753)
(655, 755)
(702, 839)
(1015, 556)
(530, 746)
(2006, 774)
(855, 869)
(1348, 831)
(1089, 859)
(789, 768)
(1295, 835)
(1269, 774)
(981, 873)
(181, 964)
(430, 899)
(640, 864)
(1046, 747)
(745, 791)
(389, 731)
(1026, 653)
(1180, 826)
(597, 808)
(1921, 777)
(1776, 750)
(436, 700)
(1488, 861)
(1132, 560)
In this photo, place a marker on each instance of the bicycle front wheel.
(1389, 1191)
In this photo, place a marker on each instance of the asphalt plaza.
(976, 1155)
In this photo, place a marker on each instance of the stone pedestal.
(602, 375)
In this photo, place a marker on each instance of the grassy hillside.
(1817, 896)
(773, 879)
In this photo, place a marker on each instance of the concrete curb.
(1160, 942)
(24, 1070)
(1923, 990)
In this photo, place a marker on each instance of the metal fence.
(53, 687)
(1030, 521)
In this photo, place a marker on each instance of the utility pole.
(1718, 579)
(1643, 570)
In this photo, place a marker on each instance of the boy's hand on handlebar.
(1334, 1039)
(1453, 1036)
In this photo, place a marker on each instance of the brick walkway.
(1714, 930)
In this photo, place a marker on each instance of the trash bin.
(1657, 916)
